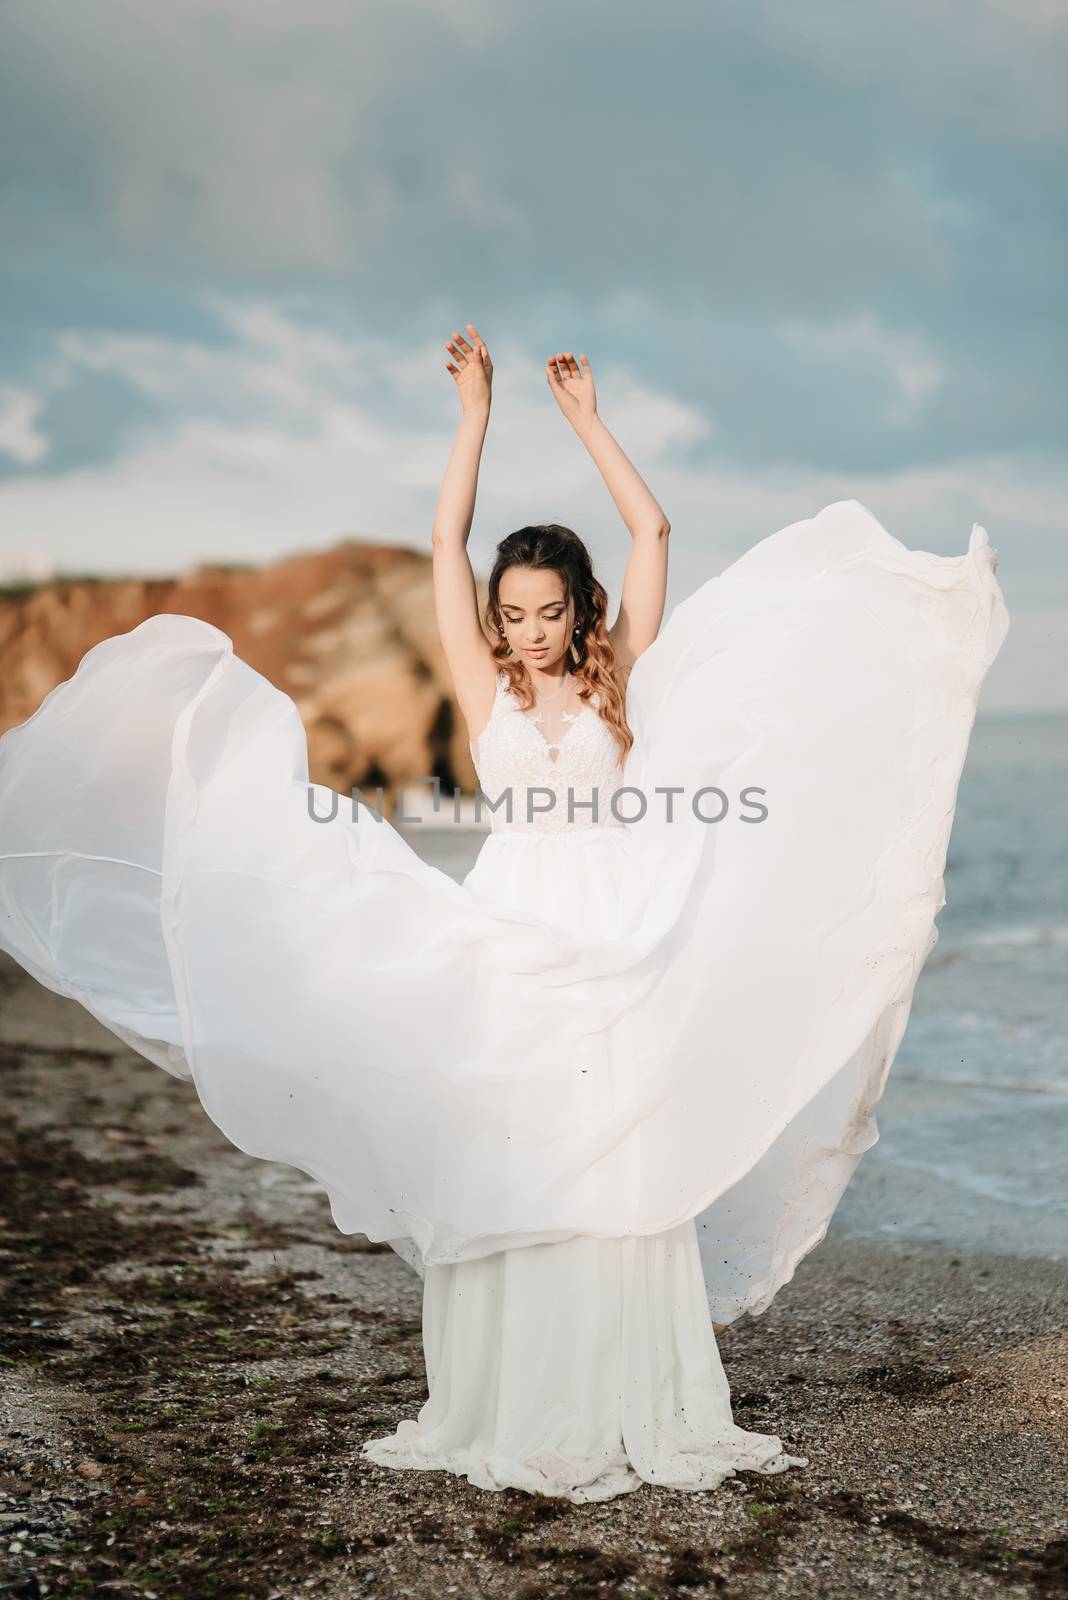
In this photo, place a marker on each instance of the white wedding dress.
(587, 1367)
(613, 1084)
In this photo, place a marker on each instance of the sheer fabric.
(473, 1067)
(615, 1081)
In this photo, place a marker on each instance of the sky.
(813, 252)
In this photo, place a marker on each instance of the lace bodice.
(526, 788)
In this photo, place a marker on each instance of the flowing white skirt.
(462, 1075)
(580, 1370)
(584, 1368)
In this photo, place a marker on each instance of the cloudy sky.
(813, 252)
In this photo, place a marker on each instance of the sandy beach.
(193, 1355)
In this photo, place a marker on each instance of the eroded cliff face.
(349, 634)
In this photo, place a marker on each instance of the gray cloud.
(836, 234)
(730, 167)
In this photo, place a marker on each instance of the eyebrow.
(510, 605)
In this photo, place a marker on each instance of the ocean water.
(973, 1125)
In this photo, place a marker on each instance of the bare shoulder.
(475, 686)
(626, 653)
(624, 656)
(621, 672)
(620, 675)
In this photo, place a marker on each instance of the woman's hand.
(572, 387)
(474, 372)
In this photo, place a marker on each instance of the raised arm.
(641, 606)
(463, 638)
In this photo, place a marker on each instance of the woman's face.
(536, 619)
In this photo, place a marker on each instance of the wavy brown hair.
(592, 654)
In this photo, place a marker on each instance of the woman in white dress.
(585, 1367)
(612, 1086)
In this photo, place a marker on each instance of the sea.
(973, 1125)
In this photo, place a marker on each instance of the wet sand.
(193, 1354)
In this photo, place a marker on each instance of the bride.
(584, 1367)
(612, 1085)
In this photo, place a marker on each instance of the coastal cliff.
(348, 633)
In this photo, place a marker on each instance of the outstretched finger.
(572, 365)
(454, 350)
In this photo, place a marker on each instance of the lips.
(538, 652)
